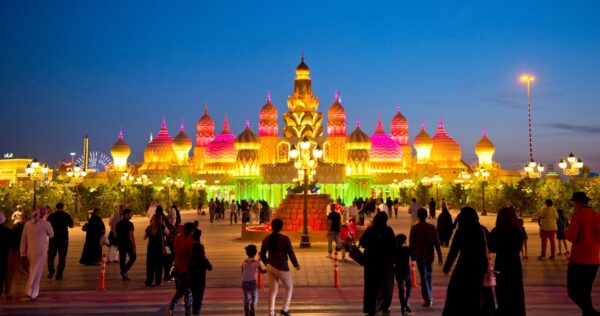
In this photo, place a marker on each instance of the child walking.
(562, 224)
(524, 233)
(249, 268)
(402, 259)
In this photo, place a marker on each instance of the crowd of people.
(480, 284)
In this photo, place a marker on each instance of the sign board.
(8, 155)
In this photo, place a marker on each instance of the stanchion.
(102, 288)
(336, 272)
(259, 281)
(413, 273)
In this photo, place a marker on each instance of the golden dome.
(484, 145)
(423, 139)
(358, 139)
(120, 147)
(302, 71)
(206, 122)
(160, 149)
(444, 147)
(247, 139)
(182, 142)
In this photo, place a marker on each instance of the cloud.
(576, 128)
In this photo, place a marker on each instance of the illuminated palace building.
(258, 165)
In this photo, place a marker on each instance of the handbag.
(166, 251)
(489, 278)
(357, 255)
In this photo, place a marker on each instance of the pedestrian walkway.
(313, 292)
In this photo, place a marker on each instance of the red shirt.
(183, 253)
(584, 233)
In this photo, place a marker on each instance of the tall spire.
(226, 125)
(422, 124)
(120, 133)
(302, 54)
(181, 127)
(151, 137)
(336, 95)
(484, 133)
(268, 95)
(357, 121)
(379, 129)
(398, 108)
(247, 121)
(441, 123)
(206, 108)
(163, 125)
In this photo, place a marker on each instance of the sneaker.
(542, 258)
(552, 258)
(284, 313)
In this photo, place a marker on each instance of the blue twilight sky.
(70, 68)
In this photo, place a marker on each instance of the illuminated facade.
(256, 165)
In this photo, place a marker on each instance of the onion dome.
(336, 118)
(444, 146)
(267, 125)
(423, 140)
(399, 128)
(384, 148)
(182, 142)
(205, 128)
(247, 139)
(222, 148)
(120, 147)
(484, 146)
(358, 139)
(302, 70)
(160, 149)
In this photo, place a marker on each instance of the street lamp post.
(483, 175)
(36, 173)
(143, 182)
(573, 168)
(75, 177)
(305, 161)
(168, 182)
(180, 184)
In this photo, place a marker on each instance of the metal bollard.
(101, 287)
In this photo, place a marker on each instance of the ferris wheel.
(98, 161)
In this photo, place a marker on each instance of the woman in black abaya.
(92, 249)
(380, 245)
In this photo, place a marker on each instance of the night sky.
(73, 68)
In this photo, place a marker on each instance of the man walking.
(423, 240)
(61, 222)
(212, 207)
(334, 223)
(126, 243)
(584, 233)
(233, 208)
(547, 219)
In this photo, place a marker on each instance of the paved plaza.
(545, 291)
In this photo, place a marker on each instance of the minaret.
(268, 132)
(302, 119)
(205, 134)
(120, 152)
(334, 147)
(484, 149)
(423, 144)
(182, 145)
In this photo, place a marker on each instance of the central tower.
(302, 119)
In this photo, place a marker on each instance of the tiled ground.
(313, 293)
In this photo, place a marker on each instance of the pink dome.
(383, 148)
(222, 147)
